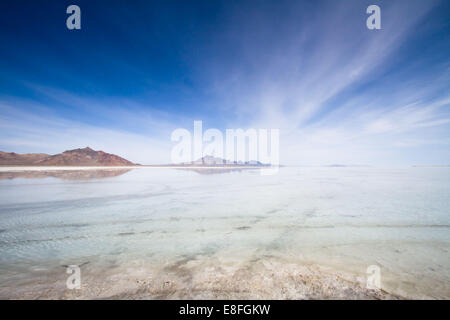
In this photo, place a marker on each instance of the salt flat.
(170, 233)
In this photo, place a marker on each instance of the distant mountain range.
(210, 161)
(76, 157)
(89, 157)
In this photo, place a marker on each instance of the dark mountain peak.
(86, 150)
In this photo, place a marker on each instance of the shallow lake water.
(305, 232)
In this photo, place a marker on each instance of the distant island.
(210, 161)
(76, 157)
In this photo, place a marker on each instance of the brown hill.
(76, 157)
(12, 158)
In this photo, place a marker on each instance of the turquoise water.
(343, 218)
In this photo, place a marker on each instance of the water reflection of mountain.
(64, 174)
(215, 170)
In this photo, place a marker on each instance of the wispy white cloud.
(310, 85)
(25, 131)
(337, 91)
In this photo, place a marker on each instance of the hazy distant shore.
(47, 168)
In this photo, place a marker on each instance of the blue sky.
(137, 70)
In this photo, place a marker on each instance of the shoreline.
(8, 168)
(204, 278)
